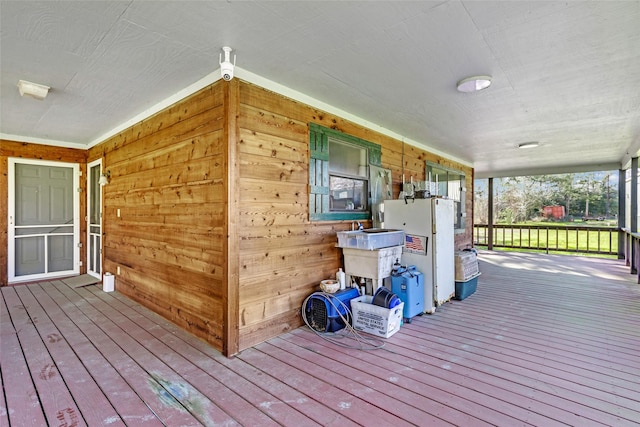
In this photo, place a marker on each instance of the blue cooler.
(408, 284)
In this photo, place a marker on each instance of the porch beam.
(490, 217)
(622, 193)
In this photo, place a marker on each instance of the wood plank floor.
(545, 340)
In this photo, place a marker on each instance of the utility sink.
(370, 239)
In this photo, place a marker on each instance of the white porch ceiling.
(566, 74)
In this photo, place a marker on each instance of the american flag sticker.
(415, 244)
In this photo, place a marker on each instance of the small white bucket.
(108, 282)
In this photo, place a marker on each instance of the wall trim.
(41, 141)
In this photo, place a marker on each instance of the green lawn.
(579, 240)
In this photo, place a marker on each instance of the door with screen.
(43, 220)
(94, 219)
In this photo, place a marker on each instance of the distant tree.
(481, 203)
(520, 199)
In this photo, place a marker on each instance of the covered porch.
(545, 340)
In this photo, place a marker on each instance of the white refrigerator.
(429, 243)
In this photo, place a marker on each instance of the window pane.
(347, 194)
(454, 186)
(347, 159)
(94, 202)
(60, 253)
(29, 256)
(449, 184)
(439, 181)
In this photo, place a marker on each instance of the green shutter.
(318, 173)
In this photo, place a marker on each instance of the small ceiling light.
(474, 84)
(33, 89)
(531, 144)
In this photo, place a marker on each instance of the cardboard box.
(466, 265)
(375, 320)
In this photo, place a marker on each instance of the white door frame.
(88, 221)
(11, 259)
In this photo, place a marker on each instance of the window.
(449, 183)
(339, 175)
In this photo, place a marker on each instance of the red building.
(555, 212)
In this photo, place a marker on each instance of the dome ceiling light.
(474, 84)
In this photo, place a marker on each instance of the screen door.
(43, 219)
(94, 219)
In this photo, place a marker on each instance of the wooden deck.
(546, 340)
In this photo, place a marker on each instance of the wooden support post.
(490, 217)
(231, 299)
(634, 213)
(622, 220)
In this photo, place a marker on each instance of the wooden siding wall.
(39, 152)
(168, 181)
(283, 256)
(214, 231)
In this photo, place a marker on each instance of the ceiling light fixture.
(34, 90)
(474, 84)
(531, 144)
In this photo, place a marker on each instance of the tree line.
(592, 195)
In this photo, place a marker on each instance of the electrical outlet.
(118, 213)
(118, 270)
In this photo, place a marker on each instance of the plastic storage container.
(370, 239)
(466, 288)
(379, 321)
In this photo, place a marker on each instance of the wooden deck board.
(114, 387)
(458, 401)
(57, 402)
(171, 398)
(91, 402)
(207, 386)
(285, 398)
(20, 400)
(211, 366)
(529, 377)
(545, 340)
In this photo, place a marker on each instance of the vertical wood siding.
(38, 152)
(168, 181)
(283, 256)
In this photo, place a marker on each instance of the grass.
(576, 223)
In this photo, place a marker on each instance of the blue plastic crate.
(464, 289)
